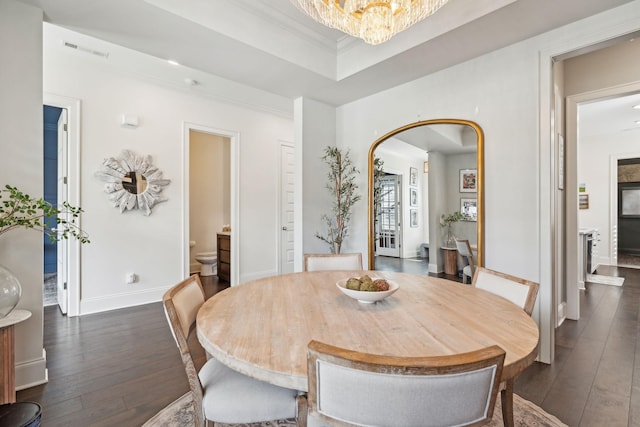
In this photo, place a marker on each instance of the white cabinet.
(588, 252)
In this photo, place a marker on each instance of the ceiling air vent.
(74, 46)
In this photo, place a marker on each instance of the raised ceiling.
(272, 47)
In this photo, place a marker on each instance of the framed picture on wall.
(413, 177)
(583, 201)
(468, 180)
(469, 209)
(413, 197)
(413, 218)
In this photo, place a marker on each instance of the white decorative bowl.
(367, 297)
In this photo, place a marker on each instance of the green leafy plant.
(19, 210)
(448, 219)
(342, 186)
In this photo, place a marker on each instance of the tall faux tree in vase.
(343, 188)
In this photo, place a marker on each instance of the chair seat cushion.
(466, 270)
(231, 397)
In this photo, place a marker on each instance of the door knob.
(284, 228)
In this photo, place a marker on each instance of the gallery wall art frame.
(413, 218)
(413, 197)
(469, 209)
(468, 180)
(413, 177)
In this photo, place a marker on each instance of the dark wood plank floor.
(117, 368)
(595, 380)
(121, 367)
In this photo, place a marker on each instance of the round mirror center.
(134, 182)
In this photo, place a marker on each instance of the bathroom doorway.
(209, 188)
(210, 196)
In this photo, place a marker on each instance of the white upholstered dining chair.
(522, 293)
(221, 394)
(350, 388)
(519, 291)
(315, 262)
(465, 251)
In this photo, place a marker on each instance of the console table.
(7, 354)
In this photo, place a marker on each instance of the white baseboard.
(31, 373)
(122, 300)
(433, 268)
(562, 310)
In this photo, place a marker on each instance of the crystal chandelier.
(374, 21)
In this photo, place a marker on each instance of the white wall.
(21, 166)
(209, 190)
(152, 246)
(454, 164)
(317, 129)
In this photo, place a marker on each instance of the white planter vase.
(10, 291)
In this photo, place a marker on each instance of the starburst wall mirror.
(132, 182)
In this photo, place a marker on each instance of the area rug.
(605, 280)
(180, 413)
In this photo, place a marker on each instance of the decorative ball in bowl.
(367, 289)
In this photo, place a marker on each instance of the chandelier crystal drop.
(374, 21)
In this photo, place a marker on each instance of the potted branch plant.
(19, 210)
(342, 186)
(446, 220)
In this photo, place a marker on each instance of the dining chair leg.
(506, 396)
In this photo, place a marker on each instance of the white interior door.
(389, 224)
(287, 188)
(63, 245)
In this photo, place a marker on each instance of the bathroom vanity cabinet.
(224, 257)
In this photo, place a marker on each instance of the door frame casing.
(571, 212)
(234, 138)
(72, 105)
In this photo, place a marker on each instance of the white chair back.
(464, 248)
(317, 262)
(519, 291)
(349, 388)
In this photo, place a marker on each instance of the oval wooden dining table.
(261, 328)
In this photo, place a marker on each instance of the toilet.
(208, 261)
